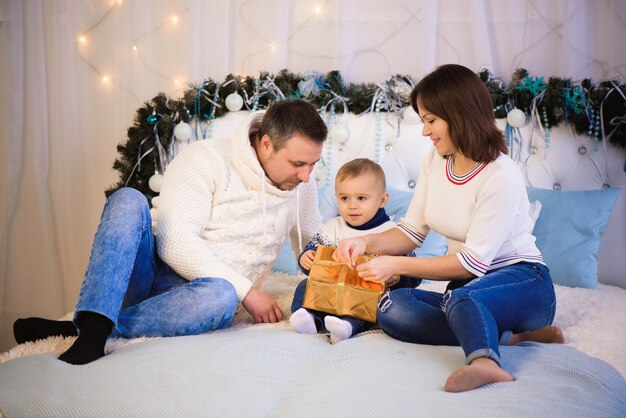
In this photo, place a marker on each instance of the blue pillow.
(285, 260)
(568, 232)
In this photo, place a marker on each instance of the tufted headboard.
(570, 163)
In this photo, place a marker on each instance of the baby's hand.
(307, 258)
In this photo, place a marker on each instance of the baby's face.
(359, 198)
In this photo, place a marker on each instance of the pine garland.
(564, 101)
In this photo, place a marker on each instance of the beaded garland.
(330, 122)
(546, 127)
(594, 128)
(379, 130)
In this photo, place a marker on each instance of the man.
(225, 210)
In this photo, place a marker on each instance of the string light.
(134, 49)
(318, 9)
(273, 46)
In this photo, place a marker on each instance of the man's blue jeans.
(478, 316)
(129, 284)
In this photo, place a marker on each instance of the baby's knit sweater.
(220, 216)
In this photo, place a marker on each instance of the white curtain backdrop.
(73, 72)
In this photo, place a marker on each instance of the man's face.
(290, 165)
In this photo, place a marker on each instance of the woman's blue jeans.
(129, 284)
(479, 316)
(358, 325)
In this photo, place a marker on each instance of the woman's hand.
(379, 269)
(348, 250)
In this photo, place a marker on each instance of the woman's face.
(437, 130)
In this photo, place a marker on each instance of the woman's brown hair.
(458, 96)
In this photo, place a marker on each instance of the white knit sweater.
(220, 216)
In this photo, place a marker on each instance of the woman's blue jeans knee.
(142, 296)
(479, 316)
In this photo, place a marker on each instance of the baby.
(360, 190)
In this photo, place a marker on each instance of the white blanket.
(269, 370)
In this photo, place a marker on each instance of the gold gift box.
(337, 289)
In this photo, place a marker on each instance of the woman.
(469, 190)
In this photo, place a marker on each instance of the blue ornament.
(624, 168)
(152, 119)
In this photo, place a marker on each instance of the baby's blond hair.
(359, 166)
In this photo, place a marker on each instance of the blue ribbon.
(534, 85)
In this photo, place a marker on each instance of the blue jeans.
(478, 316)
(358, 325)
(129, 284)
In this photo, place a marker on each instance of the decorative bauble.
(234, 102)
(340, 133)
(516, 118)
(409, 116)
(183, 131)
(155, 182)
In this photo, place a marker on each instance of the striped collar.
(459, 180)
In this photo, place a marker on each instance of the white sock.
(339, 329)
(303, 322)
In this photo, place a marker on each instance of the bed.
(269, 370)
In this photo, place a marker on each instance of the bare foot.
(549, 334)
(480, 372)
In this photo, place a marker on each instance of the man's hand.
(307, 258)
(263, 308)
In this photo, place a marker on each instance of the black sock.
(89, 346)
(32, 329)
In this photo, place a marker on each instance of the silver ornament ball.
(234, 102)
(516, 118)
(155, 182)
(183, 131)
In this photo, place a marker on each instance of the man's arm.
(185, 206)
